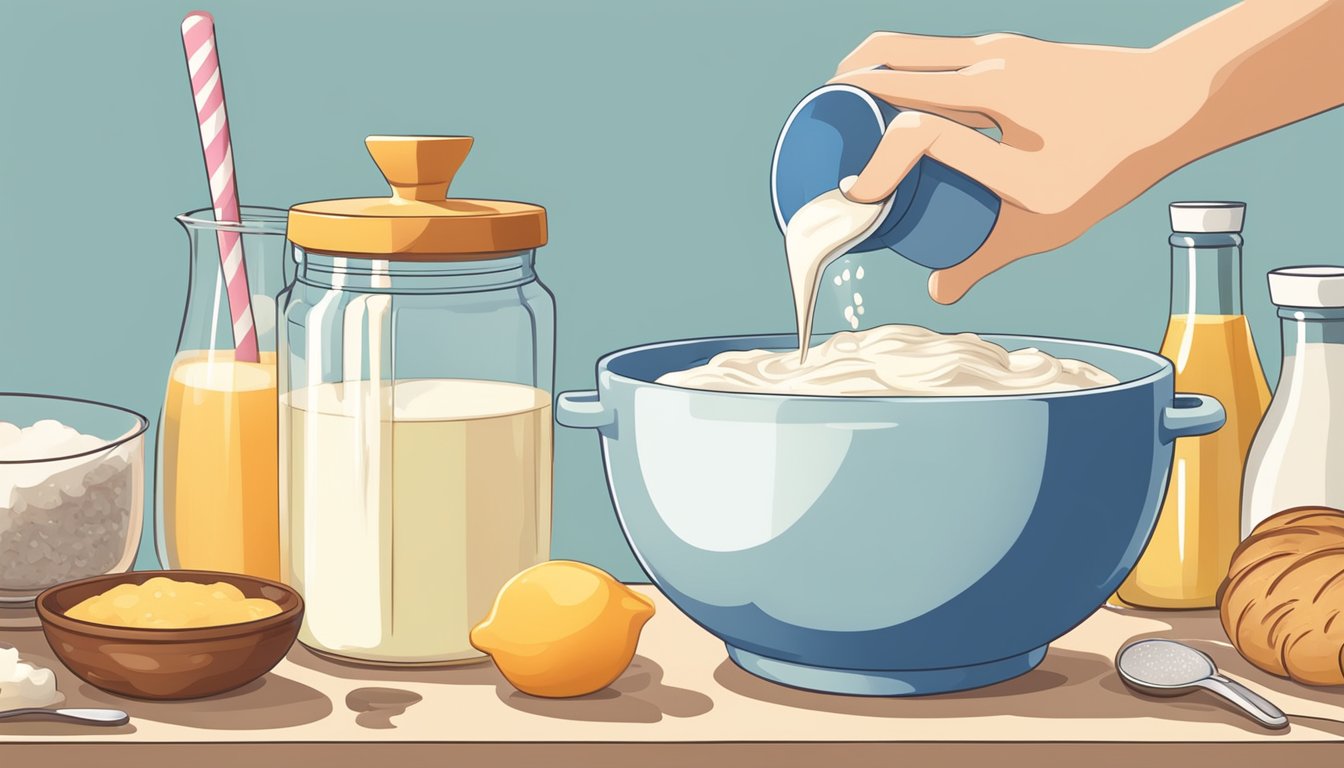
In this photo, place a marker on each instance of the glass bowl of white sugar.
(72, 477)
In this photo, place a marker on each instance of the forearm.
(1257, 66)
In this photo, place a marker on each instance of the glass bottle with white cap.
(1297, 459)
(1209, 342)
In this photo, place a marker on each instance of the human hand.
(1075, 125)
(1086, 128)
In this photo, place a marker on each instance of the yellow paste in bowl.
(164, 603)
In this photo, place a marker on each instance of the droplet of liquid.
(838, 281)
(845, 275)
(858, 275)
(858, 300)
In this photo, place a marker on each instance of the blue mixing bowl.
(886, 546)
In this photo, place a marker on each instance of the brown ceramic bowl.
(169, 664)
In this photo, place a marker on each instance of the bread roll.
(1282, 602)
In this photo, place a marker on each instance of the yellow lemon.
(562, 629)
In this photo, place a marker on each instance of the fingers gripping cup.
(937, 217)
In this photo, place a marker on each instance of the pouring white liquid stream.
(820, 232)
(882, 361)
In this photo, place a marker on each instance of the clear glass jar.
(416, 436)
(216, 492)
(1295, 459)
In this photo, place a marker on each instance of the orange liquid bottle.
(1209, 342)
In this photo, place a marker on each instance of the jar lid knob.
(419, 167)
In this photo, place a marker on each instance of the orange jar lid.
(418, 222)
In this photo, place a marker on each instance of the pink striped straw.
(207, 87)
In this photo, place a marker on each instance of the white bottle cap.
(1321, 286)
(1212, 216)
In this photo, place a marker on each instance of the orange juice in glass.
(217, 492)
(219, 464)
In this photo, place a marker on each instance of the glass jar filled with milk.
(416, 372)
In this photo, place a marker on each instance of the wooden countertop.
(682, 701)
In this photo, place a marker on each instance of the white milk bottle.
(1297, 458)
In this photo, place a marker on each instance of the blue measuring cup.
(937, 217)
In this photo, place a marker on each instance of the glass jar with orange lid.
(416, 371)
(1209, 341)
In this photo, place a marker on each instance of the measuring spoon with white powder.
(820, 232)
(1168, 668)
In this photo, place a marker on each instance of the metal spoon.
(84, 716)
(1169, 668)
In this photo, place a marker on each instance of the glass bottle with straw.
(216, 476)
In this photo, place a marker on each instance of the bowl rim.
(142, 426)
(1164, 369)
(48, 614)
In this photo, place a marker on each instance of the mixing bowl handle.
(1190, 415)
(582, 410)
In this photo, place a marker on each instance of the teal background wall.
(645, 128)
